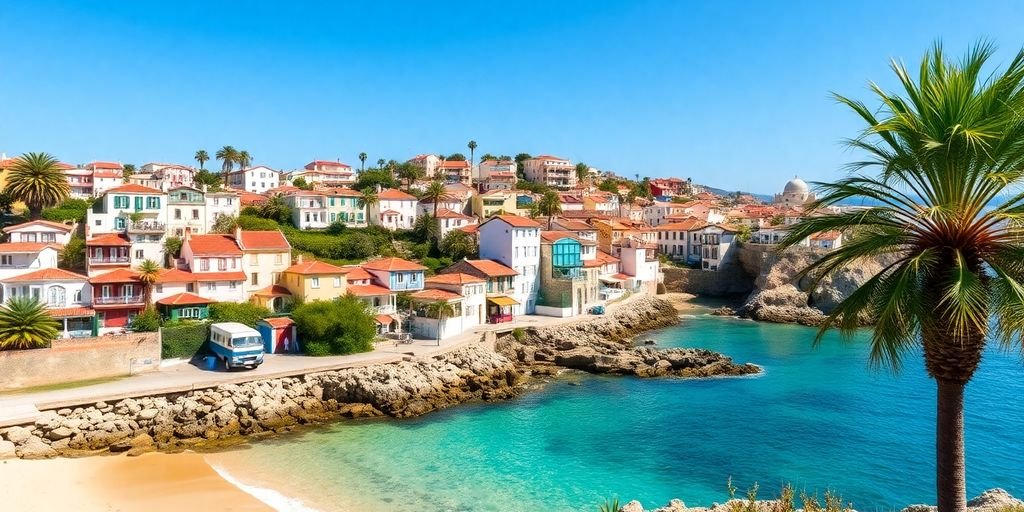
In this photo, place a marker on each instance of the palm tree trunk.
(950, 480)
(35, 212)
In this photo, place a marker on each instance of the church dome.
(796, 186)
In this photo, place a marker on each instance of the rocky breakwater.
(781, 295)
(175, 422)
(603, 345)
(992, 500)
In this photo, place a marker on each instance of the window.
(275, 277)
(6, 260)
(189, 287)
(139, 254)
(119, 223)
(120, 201)
(56, 296)
(99, 222)
(48, 237)
(78, 296)
(211, 286)
(204, 264)
(222, 264)
(177, 214)
(189, 313)
(315, 282)
(337, 282)
(400, 278)
(233, 285)
(255, 279)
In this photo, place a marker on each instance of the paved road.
(176, 377)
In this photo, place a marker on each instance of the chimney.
(298, 259)
(238, 235)
(377, 188)
(205, 186)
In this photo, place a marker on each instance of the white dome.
(796, 186)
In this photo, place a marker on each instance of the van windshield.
(248, 341)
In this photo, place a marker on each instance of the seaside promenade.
(177, 376)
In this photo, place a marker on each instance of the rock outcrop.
(781, 295)
(992, 500)
(603, 345)
(174, 422)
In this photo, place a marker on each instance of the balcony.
(109, 260)
(386, 309)
(499, 318)
(119, 300)
(567, 274)
(147, 227)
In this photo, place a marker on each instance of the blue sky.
(733, 94)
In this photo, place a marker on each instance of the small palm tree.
(949, 153)
(126, 171)
(35, 179)
(24, 323)
(149, 272)
(442, 311)
(435, 192)
(409, 173)
(202, 157)
(550, 204)
(362, 162)
(582, 172)
(227, 155)
(380, 163)
(244, 159)
(367, 198)
(472, 149)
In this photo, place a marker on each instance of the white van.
(238, 345)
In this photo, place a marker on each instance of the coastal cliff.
(603, 345)
(175, 422)
(781, 296)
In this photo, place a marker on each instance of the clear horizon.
(735, 96)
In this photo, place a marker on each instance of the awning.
(503, 301)
(384, 319)
(611, 280)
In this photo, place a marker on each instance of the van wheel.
(227, 365)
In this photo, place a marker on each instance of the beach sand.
(153, 482)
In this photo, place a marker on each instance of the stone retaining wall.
(76, 359)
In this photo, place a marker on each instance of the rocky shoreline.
(208, 417)
(992, 500)
(603, 345)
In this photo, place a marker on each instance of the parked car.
(238, 345)
(597, 310)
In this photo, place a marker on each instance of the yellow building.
(314, 280)
(494, 201)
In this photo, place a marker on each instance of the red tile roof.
(356, 273)
(367, 290)
(105, 165)
(620, 275)
(56, 225)
(445, 213)
(391, 264)
(72, 312)
(264, 241)
(435, 294)
(279, 322)
(315, 267)
(135, 189)
(454, 278)
(219, 276)
(515, 221)
(384, 319)
(213, 245)
(184, 298)
(25, 247)
(325, 163)
(454, 164)
(273, 291)
(389, 212)
(393, 194)
(108, 239)
(341, 191)
(121, 275)
(470, 228)
(492, 268)
(47, 274)
(250, 198)
(173, 275)
(826, 235)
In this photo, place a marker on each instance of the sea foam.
(272, 498)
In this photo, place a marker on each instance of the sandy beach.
(153, 482)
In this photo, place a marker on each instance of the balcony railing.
(147, 227)
(499, 319)
(106, 260)
(124, 299)
(386, 309)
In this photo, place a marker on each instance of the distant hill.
(722, 192)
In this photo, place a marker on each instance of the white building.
(448, 221)
(67, 297)
(514, 241)
(473, 292)
(219, 204)
(489, 167)
(257, 179)
(23, 257)
(326, 173)
(796, 193)
(551, 171)
(827, 240)
(429, 163)
(716, 246)
(639, 260)
(137, 211)
(168, 176)
(309, 210)
(186, 211)
(394, 210)
(215, 262)
(80, 181)
(41, 231)
(105, 176)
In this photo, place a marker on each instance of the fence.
(78, 359)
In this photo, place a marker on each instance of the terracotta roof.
(389, 212)
(105, 165)
(826, 235)
(325, 163)
(341, 191)
(108, 239)
(492, 268)
(264, 240)
(219, 276)
(683, 225)
(454, 164)
(71, 312)
(604, 257)
(470, 228)
(121, 275)
(573, 225)
(213, 245)
(184, 298)
(592, 263)
(356, 273)
(279, 322)
(57, 225)
(315, 267)
(515, 221)
(445, 213)
(435, 294)
(47, 274)
(554, 236)
(249, 198)
(367, 290)
(273, 291)
(135, 189)
(174, 275)
(391, 264)
(384, 319)
(25, 247)
(620, 275)
(393, 194)
(454, 278)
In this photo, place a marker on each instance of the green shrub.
(250, 223)
(147, 321)
(610, 505)
(246, 312)
(340, 326)
(183, 340)
(71, 209)
(519, 334)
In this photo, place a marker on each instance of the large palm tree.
(35, 179)
(202, 157)
(227, 156)
(362, 162)
(947, 151)
(550, 205)
(367, 198)
(24, 323)
(435, 192)
(442, 311)
(149, 272)
(472, 149)
(409, 173)
(244, 159)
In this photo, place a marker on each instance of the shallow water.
(817, 417)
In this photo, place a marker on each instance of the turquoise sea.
(818, 417)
